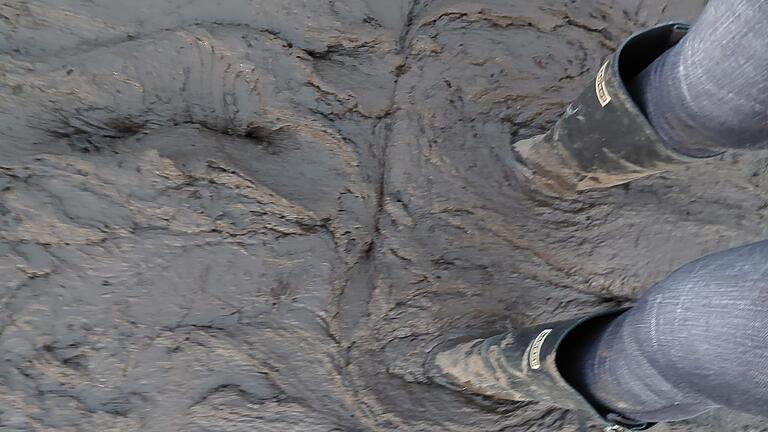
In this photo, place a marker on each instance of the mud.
(264, 215)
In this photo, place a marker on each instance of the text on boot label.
(534, 356)
(602, 90)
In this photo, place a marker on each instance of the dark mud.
(264, 215)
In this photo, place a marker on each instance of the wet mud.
(266, 215)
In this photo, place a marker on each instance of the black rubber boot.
(525, 365)
(603, 139)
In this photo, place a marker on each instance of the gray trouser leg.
(711, 90)
(696, 340)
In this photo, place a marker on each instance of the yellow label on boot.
(602, 90)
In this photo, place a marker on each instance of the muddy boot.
(526, 365)
(603, 139)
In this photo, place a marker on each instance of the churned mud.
(264, 215)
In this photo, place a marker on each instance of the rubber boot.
(603, 139)
(525, 365)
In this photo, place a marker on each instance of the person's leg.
(696, 340)
(711, 90)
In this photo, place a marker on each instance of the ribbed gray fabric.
(696, 340)
(711, 90)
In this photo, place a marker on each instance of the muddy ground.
(262, 215)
